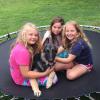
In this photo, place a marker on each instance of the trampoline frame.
(87, 27)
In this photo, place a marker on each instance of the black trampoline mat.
(88, 83)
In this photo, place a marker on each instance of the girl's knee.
(70, 75)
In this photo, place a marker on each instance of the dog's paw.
(49, 83)
(55, 79)
(37, 93)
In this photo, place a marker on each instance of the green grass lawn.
(14, 13)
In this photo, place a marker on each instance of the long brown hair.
(57, 19)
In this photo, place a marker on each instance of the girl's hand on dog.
(49, 70)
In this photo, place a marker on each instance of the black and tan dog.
(42, 61)
(46, 58)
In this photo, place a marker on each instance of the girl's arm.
(34, 74)
(60, 49)
(69, 59)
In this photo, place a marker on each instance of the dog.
(45, 59)
(42, 61)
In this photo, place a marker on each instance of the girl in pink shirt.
(27, 44)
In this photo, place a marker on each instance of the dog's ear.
(50, 40)
(46, 42)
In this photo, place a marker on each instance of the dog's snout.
(50, 60)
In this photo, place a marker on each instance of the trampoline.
(86, 84)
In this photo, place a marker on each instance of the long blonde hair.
(21, 38)
(81, 34)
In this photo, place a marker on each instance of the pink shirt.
(19, 56)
